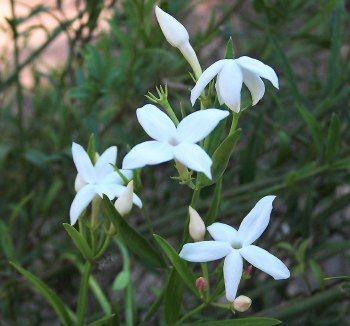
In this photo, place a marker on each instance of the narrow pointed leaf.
(79, 241)
(333, 138)
(131, 238)
(121, 281)
(110, 320)
(230, 52)
(91, 148)
(221, 158)
(55, 302)
(179, 264)
(173, 298)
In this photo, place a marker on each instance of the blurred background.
(71, 68)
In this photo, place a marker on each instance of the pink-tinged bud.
(196, 226)
(201, 283)
(124, 203)
(247, 273)
(242, 303)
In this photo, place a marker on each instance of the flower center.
(173, 142)
(236, 245)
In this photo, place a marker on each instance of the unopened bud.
(242, 303)
(201, 283)
(124, 203)
(177, 35)
(247, 272)
(196, 226)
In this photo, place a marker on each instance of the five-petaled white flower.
(173, 142)
(232, 73)
(233, 245)
(99, 179)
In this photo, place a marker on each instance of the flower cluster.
(174, 140)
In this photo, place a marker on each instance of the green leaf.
(6, 241)
(173, 298)
(221, 158)
(179, 264)
(313, 126)
(230, 52)
(79, 242)
(317, 271)
(251, 321)
(91, 149)
(121, 281)
(55, 302)
(215, 204)
(132, 239)
(110, 320)
(333, 138)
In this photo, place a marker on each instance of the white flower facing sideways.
(235, 245)
(231, 74)
(177, 35)
(173, 142)
(96, 180)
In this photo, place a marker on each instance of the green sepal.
(91, 149)
(230, 52)
(79, 242)
(179, 264)
(251, 321)
(131, 238)
(52, 298)
(221, 158)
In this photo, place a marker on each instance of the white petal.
(83, 163)
(79, 183)
(114, 178)
(148, 153)
(233, 267)
(194, 157)
(156, 123)
(103, 165)
(207, 75)
(108, 189)
(173, 30)
(255, 85)
(126, 173)
(221, 102)
(80, 202)
(263, 260)
(222, 232)
(230, 81)
(255, 223)
(198, 125)
(204, 251)
(258, 68)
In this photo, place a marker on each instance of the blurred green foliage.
(294, 144)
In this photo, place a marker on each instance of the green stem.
(83, 293)
(205, 272)
(235, 117)
(169, 110)
(192, 312)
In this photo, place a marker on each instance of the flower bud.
(124, 203)
(174, 32)
(196, 226)
(242, 303)
(247, 272)
(201, 283)
(177, 35)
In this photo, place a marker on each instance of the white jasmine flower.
(235, 245)
(99, 179)
(173, 142)
(231, 74)
(177, 35)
